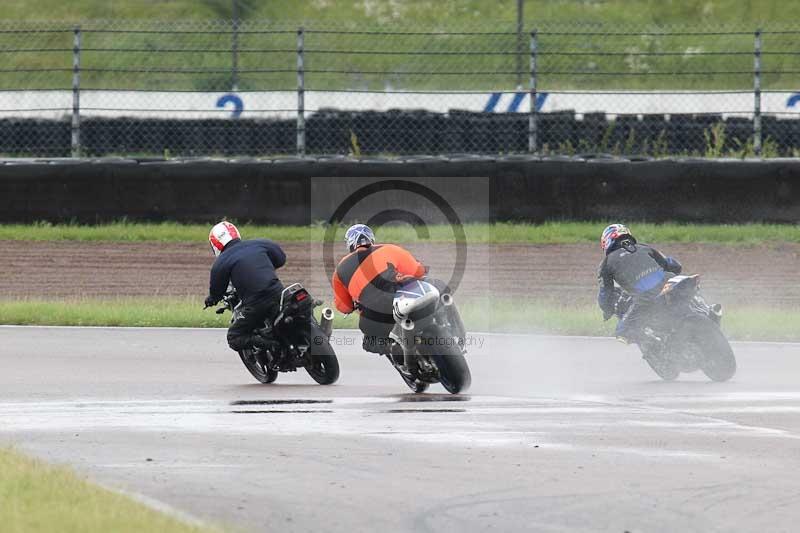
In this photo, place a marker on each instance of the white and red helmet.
(221, 235)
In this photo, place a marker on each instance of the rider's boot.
(261, 342)
(265, 334)
(394, 352)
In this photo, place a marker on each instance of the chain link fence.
(261, 89)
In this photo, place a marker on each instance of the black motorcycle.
(682, 332)
(293, 340)
(429, 330)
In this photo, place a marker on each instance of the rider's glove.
(607, 315)
(210, 301)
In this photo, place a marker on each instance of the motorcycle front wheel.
(256, 369)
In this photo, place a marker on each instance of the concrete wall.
(280, 192)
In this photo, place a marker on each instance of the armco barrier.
(278, 191)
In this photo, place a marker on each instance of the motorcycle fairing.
(415, 299)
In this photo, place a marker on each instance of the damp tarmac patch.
(425, 411)
(280, 411)
(278, 402)
(433, 398)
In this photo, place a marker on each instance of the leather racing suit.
(641, 271)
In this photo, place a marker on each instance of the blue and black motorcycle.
(682, 332)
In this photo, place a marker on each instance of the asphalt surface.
(556, 434)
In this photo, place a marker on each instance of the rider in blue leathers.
(639, 269)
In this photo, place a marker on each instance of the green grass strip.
(138, 312)
(35, 498)
(741, 323)
(547, 233)
(609, 53)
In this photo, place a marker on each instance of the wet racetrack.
(556, 434)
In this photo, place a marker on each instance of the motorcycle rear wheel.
(714, 354)
(257, 370)
(718, 361)
(324, 367)
(454, 374)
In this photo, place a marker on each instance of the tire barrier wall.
(522, 189)
(403, 132)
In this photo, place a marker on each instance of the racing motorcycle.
(295, 338)
(682, 332)
(431, 334)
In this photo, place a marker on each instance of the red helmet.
(221, 235)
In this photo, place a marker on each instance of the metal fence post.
(757, 94)
(520, 42)
(235, 47)
(533, 141)
(76, 92)
(301, 97)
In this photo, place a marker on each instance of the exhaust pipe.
(447, 300)
(715, 313)
(326, 321)
(409, 359)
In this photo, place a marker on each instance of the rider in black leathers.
(250, 267)
(640, 270)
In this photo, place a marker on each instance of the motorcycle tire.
(324, 367)
(664, 367)
(415, 385)
(717, 361)
(458, 325)
(454, 374)
(257, 370)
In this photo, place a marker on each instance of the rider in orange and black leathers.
(366, 279)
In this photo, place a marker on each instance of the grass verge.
(35, 497)
(740, 323)
(547, 233)
(612, 51)
(455, 12)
